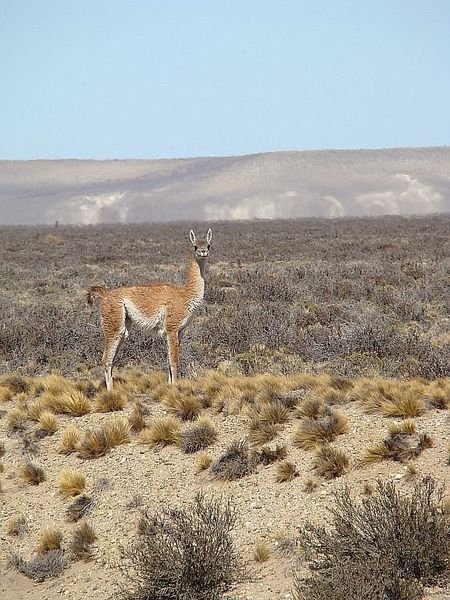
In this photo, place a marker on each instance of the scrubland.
(304, 453)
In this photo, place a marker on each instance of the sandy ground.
(266, 510)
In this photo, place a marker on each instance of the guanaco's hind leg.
(172, 355)
(116, 328)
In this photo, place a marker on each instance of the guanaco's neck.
(195, 282)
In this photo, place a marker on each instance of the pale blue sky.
(168, 78)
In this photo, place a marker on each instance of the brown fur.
(164, 307)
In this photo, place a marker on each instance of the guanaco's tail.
(95, 290)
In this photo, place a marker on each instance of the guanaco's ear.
(209, 236)
(192, 236)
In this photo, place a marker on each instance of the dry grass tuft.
(15, 420)
(438, 394)
(329, 462)
(325, 427)
(16, 526)
(310, 485)
(31, 473)
(402, 444)
(235, 463)
(36, 408)
(70, 440)
(204, 460)
(261, 553)
(6, 394)
(311, 407)
(186, 408)
(411, 471)
(48, 423)
(136, 418)
(75, 403)
(198, 437)
(267, 456)
(368, 489)
(71, 483)
(117, 432)
(286, 471)
(82, 538)
(56, 384)
(111, 400)
(50, 539)
(2, 448)
(93, 444)
(16, 383)
(163, 432)
(261, 432)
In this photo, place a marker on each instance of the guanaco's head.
(201, 247)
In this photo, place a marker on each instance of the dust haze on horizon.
(323, 183)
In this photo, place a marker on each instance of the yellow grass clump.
(136, 418)
(16, 525)
(117, 431)
(50, 539)
(286, 471)
(82, 538)
(71, 483)
(111, 400)
(261, 553)
(48, 423)
(329, 462)
(31, 473)
(15, 419)
(162, 432)
(70, 440)
(6, 393)
(186, 407)
(75, 403)
(204, 460)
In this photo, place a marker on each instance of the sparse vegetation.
(162, 432)
(402, 444)
(286, 471)
(50, 539)
(325, 426)
(70, 440)
(330, 462)
(111, 400)
(79, 508)
(71, 483)
(16, 525)
(198, 437)
(83, 537)
(43, 566)
(204, 461)
(48, 423)
(235, 463)
(385, 547)
(183, 554)
(261, 553)
(31, 473)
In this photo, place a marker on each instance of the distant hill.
(326, 183)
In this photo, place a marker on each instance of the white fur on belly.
(153, 320)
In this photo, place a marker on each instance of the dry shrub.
(6, 394)
(36, 408)
(267, 456)
(111, 400)
(16, 526)
(83, 537)
(50, 539)
(163, 432)
(16, 383)
(402, 444)
(71, 483)
(390, 399)
(385, 547)
(93, 445)
(261, 553)
(438, 394)
(204, 460)
(187, 408)
(117, 431)
(198, 437)
(70, 440)
(286, 471)
(31, 473)
(79, 508)
(235, 463)
(136, 418)
(15, 420)
(44, 566)
(311, 407)
(48, 423)
(182, 554)
(329, 462)
(53, 383)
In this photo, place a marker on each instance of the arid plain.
(318, 363)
